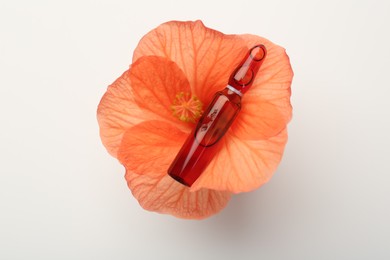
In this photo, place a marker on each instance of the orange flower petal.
(147, 151)
(156, 81)
(207, 57)
(164, 195)
(118, 111)
(150, 147)
(243, 165)
(145, 91)
(266, 107)
(258, 119)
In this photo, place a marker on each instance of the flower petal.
(258, 119)
(147, 150)
(150, 147)
(156, 81)
(207, 57)
(243, 165)
(165, 195)
(117, 111)
(266, 107)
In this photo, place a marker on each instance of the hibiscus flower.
(147, 113)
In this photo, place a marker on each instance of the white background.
(63, 197)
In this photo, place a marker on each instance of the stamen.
(187, 108)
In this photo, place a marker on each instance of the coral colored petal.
(266, 107)
(207, 57)
(150, 147)
(243, 165)
(147, 151)
(164, 195)
(117, 111)
(258, 119)
(156, 81)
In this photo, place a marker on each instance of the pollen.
(187, 107)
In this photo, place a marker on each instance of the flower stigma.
(187, 108)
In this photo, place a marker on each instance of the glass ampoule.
(204, 141)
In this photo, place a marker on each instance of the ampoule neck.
(232, 95)
(243, 76)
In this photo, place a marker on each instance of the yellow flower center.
(187, 108)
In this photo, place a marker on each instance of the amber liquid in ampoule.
(203, 143)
